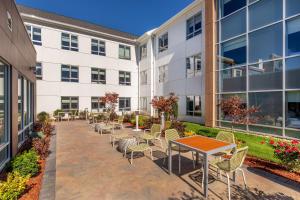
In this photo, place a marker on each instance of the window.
(35, 34)
(69, 73)
(69, 103)
(38, 71)
(143, 103)
(293, 37)
(143, 51)
(265, 76)
(233, 79)
(264, 12)
(292, 73)
(69, 42)
(98, 75)
(193, 105)
(233, 52)
(124, 104)
(270, 43)
(293, 109)
(98, 47)
(124, 52)
(270, 107)
(124, 78)
(143, 75)
(292, 7)
(229, 6)
(20, 103)
(97, 105)
(194, 26)
(163, 42)
(193, 65)
(233, 25)
(9, 20)
(163, 74)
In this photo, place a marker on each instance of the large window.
(264, 12)
(38, 71)
(233, 52)
(143, 51)
(124, 78)
(124, 52)
(270, 44)
(293, 73)
(69, 103)
(143, 77)
(163, 74)
(193, 65)
(194, 26)
(234, 25)
(124, 104)
(97, 104)
(69, 42)
(163, 42)
(293, 37)
(293, 110)
(143, 103)
(4, 115)
(230, 6)
(265, 76)
(98, 47)
(98, 75)
(292, 7)
(20, 102)
(69, 73)
(193, 105)
(233, 79)
(35, 34)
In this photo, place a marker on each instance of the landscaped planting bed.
(261, 153)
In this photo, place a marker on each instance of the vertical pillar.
(210, 62)
(14, 111)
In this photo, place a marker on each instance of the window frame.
(124, 47)
(70, 98)
(68, 39)
(125, 73)
(193, 25)
(100, 106)
(31, 34)
(99, 70)
(100, 44)
(126, 101)
(143, 51)
(38, 65)
(70, 78)
(163, 42)
(193, 66)
(163, 74)
(194, 112)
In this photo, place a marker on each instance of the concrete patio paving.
(87, 167)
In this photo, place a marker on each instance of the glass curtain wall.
(258, 56)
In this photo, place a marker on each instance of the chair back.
(226, 137)
(235, 161)
(171, 134)
(155, 130)
(121, 119)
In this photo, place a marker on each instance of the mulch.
(272, 168)
(34, 184)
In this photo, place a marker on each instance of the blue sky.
(133, 16)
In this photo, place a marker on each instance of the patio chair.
(101, 127)
(232, 165)
(139, 148)
(119, 122)
(155, 133)
(74, 115)
(53, 118)
(172, 134)
(225, 137)
(65, 116)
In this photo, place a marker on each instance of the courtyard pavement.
(87, 167)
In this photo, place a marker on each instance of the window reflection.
(233, 52)
(229, 6)
(292, 73)
(293, 37)
(293, 109)
(233, 79)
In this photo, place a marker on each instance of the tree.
(110, 100)
(237, 112)
(167, 105)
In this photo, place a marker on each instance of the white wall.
(50, 54)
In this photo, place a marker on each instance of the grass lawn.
(256, 149)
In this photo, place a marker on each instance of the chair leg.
(131, 159)
(161, 144)
(151, 153)
(179, 162)
(194, 165)
(165, 156)
(228, 186)
(244, 178)
(202, 169)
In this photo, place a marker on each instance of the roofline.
(27, 15)
(175, 17)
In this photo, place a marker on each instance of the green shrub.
(57, 111)
(142, 120)
(26, 164)
(42, 117)
(13, 187)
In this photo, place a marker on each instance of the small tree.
(238, 112)
(165, 104)
(110, 100)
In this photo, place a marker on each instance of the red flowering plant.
(288, 152)
(165, 104)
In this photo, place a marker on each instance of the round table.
(124, 143)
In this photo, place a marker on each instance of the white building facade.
(77, 63)
(172, 61)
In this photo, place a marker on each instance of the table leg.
(179, 161)
(170, 158)
(233, 176)
(197, 158)
(205, 159)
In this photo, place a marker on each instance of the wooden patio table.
(203, 145)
